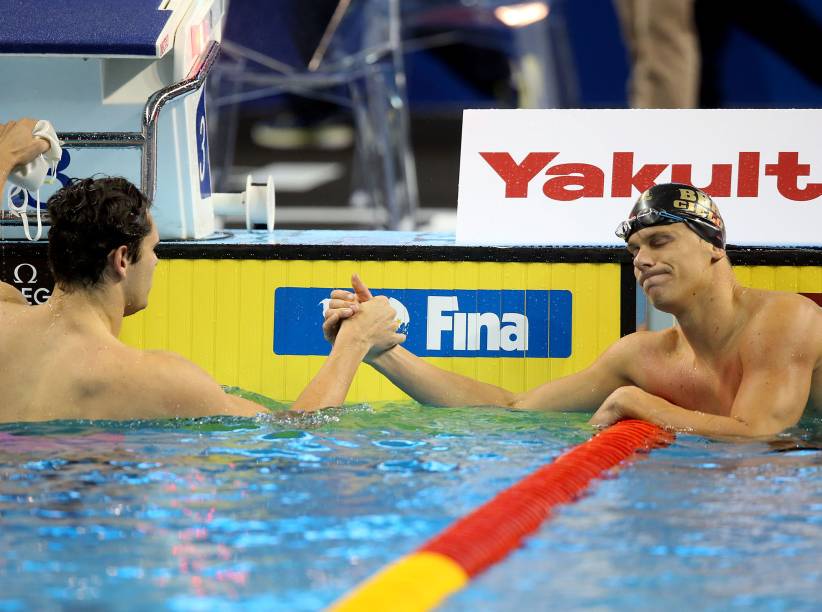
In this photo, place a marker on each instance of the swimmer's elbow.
(759, 428)
(768, 428)
(242, 407)
(518, 401)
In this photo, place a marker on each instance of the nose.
(642, 259)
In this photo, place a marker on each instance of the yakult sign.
(568, 177)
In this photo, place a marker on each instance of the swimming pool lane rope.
(447, 562)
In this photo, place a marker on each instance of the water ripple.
(415, 465)
(398, 443)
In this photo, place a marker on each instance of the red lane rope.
(490, 532)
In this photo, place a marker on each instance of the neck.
(712, 316)
(99, 309)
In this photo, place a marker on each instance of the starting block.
(123, 83)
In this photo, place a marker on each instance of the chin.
(131, 309)
(665, 307)
(661, 301)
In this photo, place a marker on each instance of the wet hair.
(89, 219)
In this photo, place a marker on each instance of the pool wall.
(247, 309)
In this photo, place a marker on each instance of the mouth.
(650, 280)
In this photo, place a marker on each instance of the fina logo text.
(506, 333)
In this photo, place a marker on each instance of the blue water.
(288, 513)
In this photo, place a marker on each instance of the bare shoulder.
(644, 342)
(637, 352)
(782, 321)
(11, 296)
(186, 390)
(179, 386)
(783, 309)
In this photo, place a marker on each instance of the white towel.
(30, 178)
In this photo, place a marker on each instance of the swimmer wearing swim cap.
(676, 203)
(740, 362)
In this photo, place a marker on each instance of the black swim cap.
(676, 203)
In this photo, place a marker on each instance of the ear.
(717, 254)
(118, 262)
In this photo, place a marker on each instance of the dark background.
(756, 54)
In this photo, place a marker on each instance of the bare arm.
(374, 327)
(778, 357)
(429, 384)
(175, 387)
(432, 385)
(584, 390)
(633, 402)
(330, 385)
(5, 170)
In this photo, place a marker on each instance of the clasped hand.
(375, 322)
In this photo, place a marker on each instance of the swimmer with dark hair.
(740, 362)
(63, 360)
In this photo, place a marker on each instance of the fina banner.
(569, 177)
(441, 322)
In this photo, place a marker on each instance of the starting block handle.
(155, 103)
(147, 138)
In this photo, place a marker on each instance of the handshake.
(361, 319)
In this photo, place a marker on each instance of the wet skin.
(63, 360)
(740, 362)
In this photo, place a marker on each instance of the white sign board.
(568, 177)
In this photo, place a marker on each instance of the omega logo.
(34, 295)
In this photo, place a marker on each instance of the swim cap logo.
(696, 203)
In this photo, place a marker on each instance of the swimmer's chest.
(682, 380)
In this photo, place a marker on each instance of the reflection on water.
(288, 511)
(699, 525)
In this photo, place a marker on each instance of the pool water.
(288, 512)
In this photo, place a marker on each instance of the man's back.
(54, 369)
(62, 360)
(63, 363)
